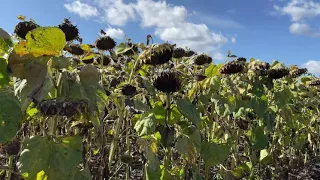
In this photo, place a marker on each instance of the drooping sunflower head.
(202, 59)
(157, 54)
(105, 43)
(74, 49)
(128, 90)
(71, 31)
(22, 28)
(178, 52)
(241, 59)
(106, 60)
(167, 82)
(296, 72)
(278, 71)
(189, 53)
(232, 67)
(259, 68)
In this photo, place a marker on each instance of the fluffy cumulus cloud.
(82, 9)
(117, 13)
(300, 12)
(312, 66)
(116, 33)
(168, 21)
(160, 14)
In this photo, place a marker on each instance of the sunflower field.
(149, 111)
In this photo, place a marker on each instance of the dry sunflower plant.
(129, 110)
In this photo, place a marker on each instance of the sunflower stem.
(127, 146)
(167, 149)
(9, 173)
(114, 144)
(133, 70)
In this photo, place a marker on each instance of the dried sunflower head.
(106, 60)
(22, 28)
(241, 59)
(232, 67)
(189, 53)
(296, 72)
(105, 43)
(71, 31)
(129, 90)
(202, 59)
(178, 52)
(74, 49)
(157, 54)
(167, 82)
(278, 71)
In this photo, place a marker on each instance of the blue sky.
(284, 30)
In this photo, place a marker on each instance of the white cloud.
(303, 29)
(171, 25)
(195, 36)
(116, 33)
(82, 9)
(117, 13)
(312, 66)
(300, 11)
(168, 21)
(159, 13)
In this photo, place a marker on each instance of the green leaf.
(122, 48)
(81, 174)
(269, 119)
(189, 110)
(214, 154)
(182, 145)
(282, 97)
(265, 157)
(159, 112)
(5, 42)
(241, 171)
(89, 78)
(10, 117)
(43, 158)
(4, 77)
(61, 62)
(260, 105)
(257, 88)
(146, 125)
(258, 138)
(211, 70)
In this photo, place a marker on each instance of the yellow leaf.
(88, 56)
(85, 47)
(45, 41)
(21, 17)
(21, 48)
(192, 91)
(154, 147)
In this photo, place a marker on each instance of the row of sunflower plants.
(109, 110)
